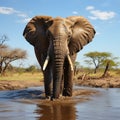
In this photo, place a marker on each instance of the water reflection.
(56, 112)
(29, 104)
(105, 106)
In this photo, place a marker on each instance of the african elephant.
(56, 42)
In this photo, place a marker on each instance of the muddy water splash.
(30, 104)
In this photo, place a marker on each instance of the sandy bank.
(108, 82)
(18, 84)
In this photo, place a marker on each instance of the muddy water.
(29, 104)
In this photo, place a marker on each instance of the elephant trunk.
(57, 74)
(59, 54)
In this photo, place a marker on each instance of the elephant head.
(60, 38)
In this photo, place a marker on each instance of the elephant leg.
(68, 80)
(68, 77)
(62, 84)
(47, 81)
(47, 73)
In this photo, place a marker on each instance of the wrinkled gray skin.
(56, 42)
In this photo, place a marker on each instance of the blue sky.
(103, 14)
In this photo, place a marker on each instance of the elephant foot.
(56, 98)
(67, 92)
(48, 94)
(48, 97)
(53, 98)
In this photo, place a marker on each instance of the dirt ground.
(107, 82)
(112, 82)
(18, 84)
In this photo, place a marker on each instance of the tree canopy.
(100, 59)
(8, 55)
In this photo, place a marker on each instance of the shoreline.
(82, 93)
(19, 84)
(108, 82)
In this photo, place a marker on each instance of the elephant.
(56, 42)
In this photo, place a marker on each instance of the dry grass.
(98, 74)
(38, 76)
(23, 76)
(23, 80)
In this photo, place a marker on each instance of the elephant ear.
(82, 33)
(36, 28)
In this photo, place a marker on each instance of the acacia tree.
(109, 63)
(100, 59)
(8, 55)
(3, 39)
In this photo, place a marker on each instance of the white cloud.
(89, 7)
(75, 12)
(98, 33)
(25, 20)
(22, 15)
(102, 15)
(98, 14)
(9, 11)
(92, 17)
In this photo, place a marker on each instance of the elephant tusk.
(47, 58)
(71, 64)
(46, 63)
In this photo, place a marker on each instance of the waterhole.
(86, 104)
